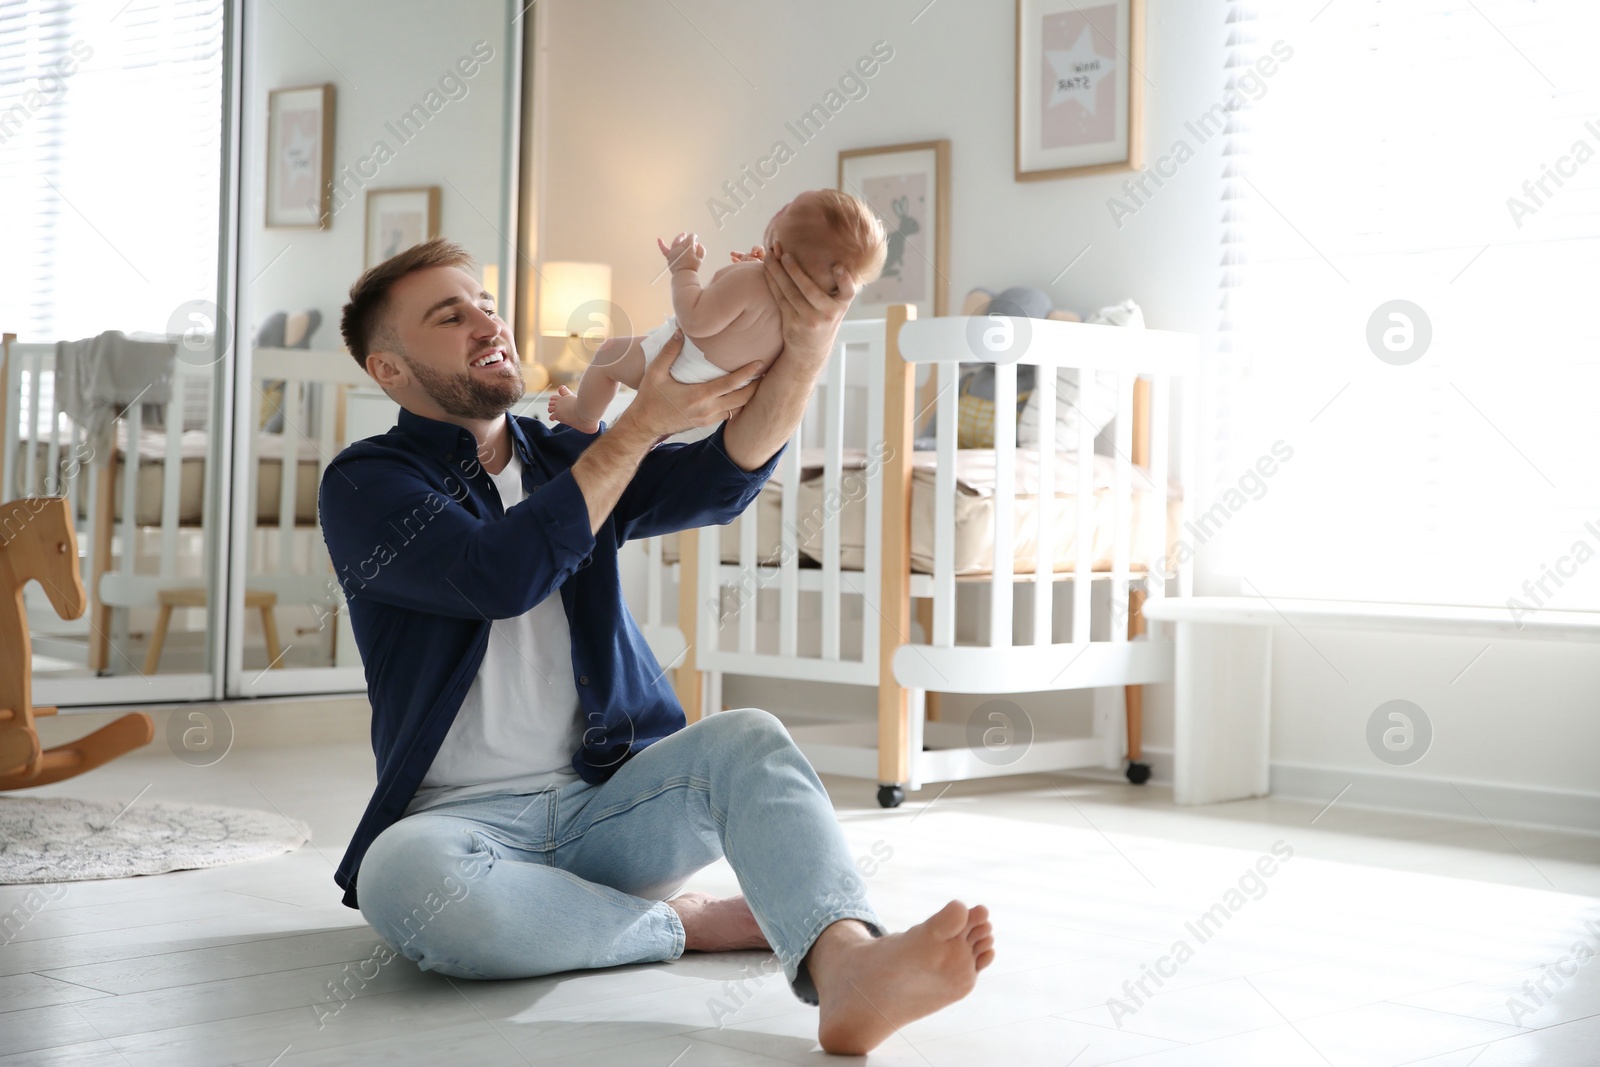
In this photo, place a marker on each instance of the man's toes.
(978, 932)
(949, 921)
(984, 959)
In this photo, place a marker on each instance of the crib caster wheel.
(1138, 773)
(891, 796)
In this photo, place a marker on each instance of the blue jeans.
(518, 885)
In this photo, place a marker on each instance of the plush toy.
(975, 407)
(282, 330)
(1022, 301)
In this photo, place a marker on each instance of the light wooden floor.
(1386, 939)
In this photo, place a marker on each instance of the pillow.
(1099, 407)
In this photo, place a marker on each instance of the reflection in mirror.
(367, 138)
(110, 168)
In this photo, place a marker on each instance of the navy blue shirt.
(428, 558)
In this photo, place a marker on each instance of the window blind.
(110, 155)
(1411, 237)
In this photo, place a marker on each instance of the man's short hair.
(364, 323)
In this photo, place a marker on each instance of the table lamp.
(574, 305)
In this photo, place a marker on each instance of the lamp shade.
(564, 289)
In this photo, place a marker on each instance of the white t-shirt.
(521, 721)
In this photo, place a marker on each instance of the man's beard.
(467, 397)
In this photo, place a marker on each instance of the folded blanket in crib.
(97, 377)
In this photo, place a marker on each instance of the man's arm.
(811, 320)
(396, 539)
(683, 486)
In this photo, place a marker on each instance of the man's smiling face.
(447, 345)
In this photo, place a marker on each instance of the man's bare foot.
(870, 987)
(717, 924)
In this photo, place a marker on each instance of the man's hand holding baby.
(666, 406)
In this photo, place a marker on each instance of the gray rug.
(60, 839)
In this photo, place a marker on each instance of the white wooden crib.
(780, 605)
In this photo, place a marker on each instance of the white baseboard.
(1468, 800)
(265, 723)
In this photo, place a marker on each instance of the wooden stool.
(263, 599)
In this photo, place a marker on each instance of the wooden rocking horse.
(37, 543)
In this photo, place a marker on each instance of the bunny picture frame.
(907, 186)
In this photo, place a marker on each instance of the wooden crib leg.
(1138, 772)
(686, 679)
(269, 630)
(158, 638)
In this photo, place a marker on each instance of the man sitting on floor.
(539, 796)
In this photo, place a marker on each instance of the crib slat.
(1044, 558)
(331, 399)
(876, 356)
(747, 571)
(789, 588)
(289, 470)
(134, 418)
(1122, 506)
(172, 473)
(944, 509)
(12, 437)
(35, 373)
(1156, 548)
(652, 578)
(47, 406)
(833, 444)
(1005, 463)
(1083, 502)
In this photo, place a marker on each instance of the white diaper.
(691, 367)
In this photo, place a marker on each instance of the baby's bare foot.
(713, 924)
(563, 410)
(870, 987)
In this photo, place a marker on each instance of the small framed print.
(300, 157)
(398, 219)
(907, 186)
(1080, 87)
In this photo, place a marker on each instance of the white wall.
(382, 56)
(651, 110)
(648, 118)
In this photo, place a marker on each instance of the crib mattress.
(975, 503)
(151, 477)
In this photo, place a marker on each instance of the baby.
(734, 320)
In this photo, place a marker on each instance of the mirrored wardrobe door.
(362, 138)
(111, 179)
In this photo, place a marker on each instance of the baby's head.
(824, 227)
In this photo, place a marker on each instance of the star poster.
(1078, 86)
(1080, 95)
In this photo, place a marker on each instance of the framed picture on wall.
(398, 219)
(300, 157)
(1080, 87)
(908, 187)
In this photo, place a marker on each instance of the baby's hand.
(563, 407)
(686, 253)
(756, 252)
